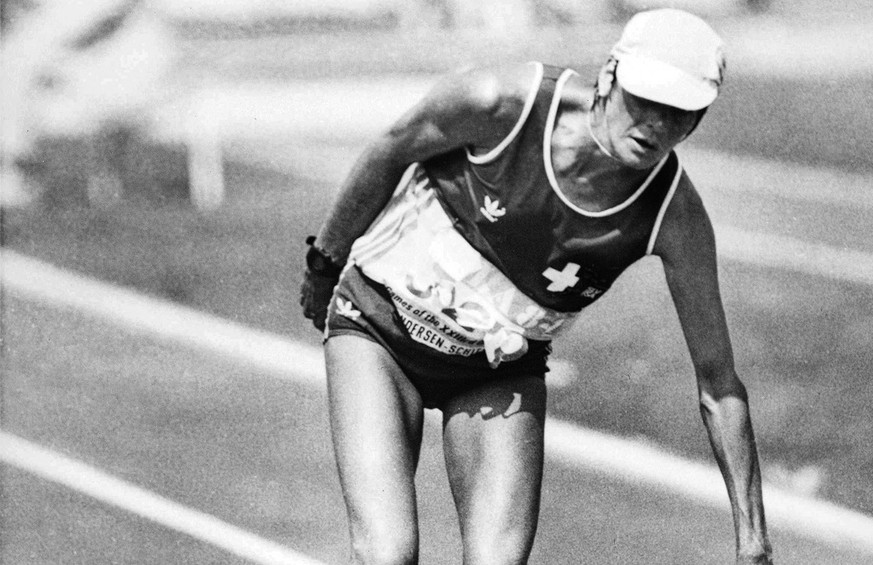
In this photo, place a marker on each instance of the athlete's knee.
(388, 548)
(507, 548)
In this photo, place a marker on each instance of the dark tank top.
(509, 207)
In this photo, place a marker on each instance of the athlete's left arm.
(686, 246)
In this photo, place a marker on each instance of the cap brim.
(654, 80)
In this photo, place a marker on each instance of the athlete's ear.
(605, 80)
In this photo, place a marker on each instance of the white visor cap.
(672, 57)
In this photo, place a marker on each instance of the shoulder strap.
(674, 184)
(552, 72)
(528, 105)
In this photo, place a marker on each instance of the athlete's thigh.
(493, 442)
(376, 422)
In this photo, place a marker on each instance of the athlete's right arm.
(475, 109)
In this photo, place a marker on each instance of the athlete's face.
(641, 132)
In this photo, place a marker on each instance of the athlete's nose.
(661, 120)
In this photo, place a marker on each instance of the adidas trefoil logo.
(492, 209)
(347, 309)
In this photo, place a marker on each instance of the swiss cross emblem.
(563, 279)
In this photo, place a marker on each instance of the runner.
(469, 235)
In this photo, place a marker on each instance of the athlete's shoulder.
(686, 221)
(497, 90)
(686, 201)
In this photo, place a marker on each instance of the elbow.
(717, 384)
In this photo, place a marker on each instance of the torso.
(517, 238)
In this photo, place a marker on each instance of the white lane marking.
(567, 442)
(264, 350)
(766, 177)
(770, 250)
(86, 479)
(637, 462)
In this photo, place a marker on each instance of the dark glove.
(319, 280)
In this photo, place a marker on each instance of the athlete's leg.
(376, 421)
(493, 442)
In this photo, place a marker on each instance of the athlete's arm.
(474, 109)
(686, 245)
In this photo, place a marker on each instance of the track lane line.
(286, 358)
(79, 476)
(789, 253)
(44, 282)
(641, 463)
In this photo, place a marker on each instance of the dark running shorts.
(437, 376)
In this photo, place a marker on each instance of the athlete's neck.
(600, 145)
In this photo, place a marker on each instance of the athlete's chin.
(636, 160)
(638, 156)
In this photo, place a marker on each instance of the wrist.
(320, 262)
(758, 552)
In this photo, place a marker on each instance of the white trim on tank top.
(667, 199)
(528, 106)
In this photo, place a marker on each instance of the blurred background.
(185, 148)
(101, 77)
